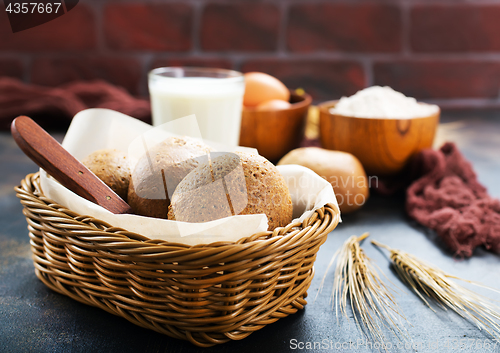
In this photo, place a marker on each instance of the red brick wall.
(444, 51)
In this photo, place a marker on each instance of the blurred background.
(440, 51)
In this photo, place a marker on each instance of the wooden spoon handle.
(45, 151)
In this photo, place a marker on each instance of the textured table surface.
(36, 319)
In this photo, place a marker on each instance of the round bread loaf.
(111, 166)
(158, 172)
(343, 170)
(231, 184)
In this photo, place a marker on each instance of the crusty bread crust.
(111, 166)
(231, 184)
(158, 172)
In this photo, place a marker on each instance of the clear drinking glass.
(215, 96)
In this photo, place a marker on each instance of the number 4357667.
(33, 7)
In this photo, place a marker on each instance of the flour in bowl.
(382, 102)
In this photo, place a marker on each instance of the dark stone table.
(36, 319)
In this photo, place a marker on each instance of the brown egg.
(341, 169)
(275, 132)
(273, 104)
(261, 87)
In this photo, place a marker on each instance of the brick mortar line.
(145, 61)
(415, 57)
(198, 8)
(464, 102)
(477, 56)
(368, 70)
(454, 2)
(293, 2)
(283, 8)
(98, 13)
(406, 28)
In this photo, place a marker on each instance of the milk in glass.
(216, 100)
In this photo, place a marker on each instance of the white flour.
(382, 102)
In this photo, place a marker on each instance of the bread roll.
(343, 170)
(111, 166)
(158, 172)
(230, 184)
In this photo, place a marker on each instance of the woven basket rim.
(207, 293)
(30, 186)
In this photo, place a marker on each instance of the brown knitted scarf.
(449, 199)
(60, 104)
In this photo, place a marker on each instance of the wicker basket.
(206, 294)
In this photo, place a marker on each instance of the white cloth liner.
(95, 129)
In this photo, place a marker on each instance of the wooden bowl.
(383, 146)
(277, 132)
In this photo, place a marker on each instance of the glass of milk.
(215, 96)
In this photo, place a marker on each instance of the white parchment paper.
(95, 129)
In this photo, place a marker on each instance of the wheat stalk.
(431, 282)
(372, 303)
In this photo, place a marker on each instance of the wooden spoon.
(45, 151)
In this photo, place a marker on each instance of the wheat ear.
(430, 282)
(372, 303)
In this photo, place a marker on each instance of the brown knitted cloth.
(449, 199)
(63, 102)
